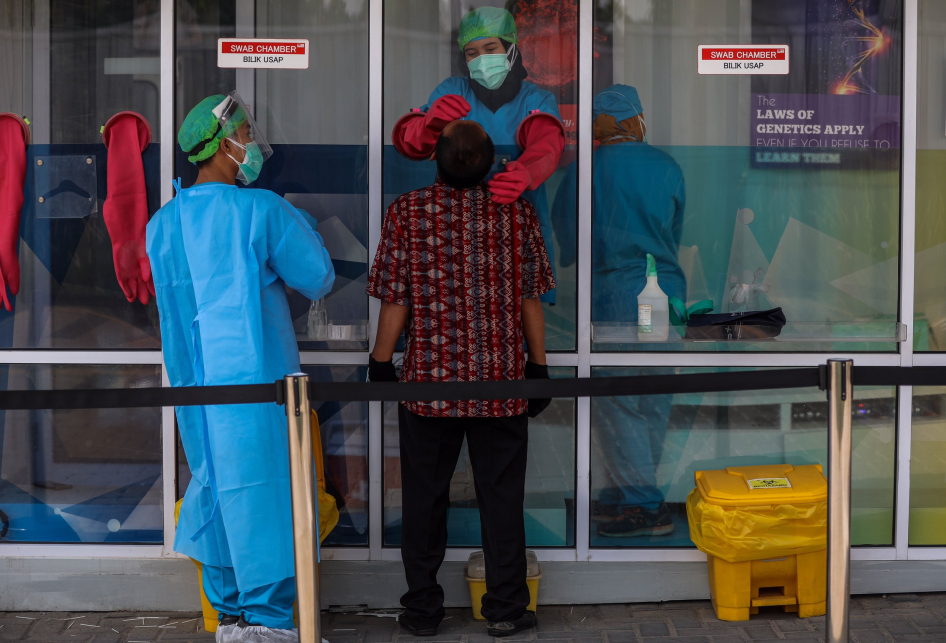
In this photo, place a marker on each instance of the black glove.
(381, 371)
(537, 372)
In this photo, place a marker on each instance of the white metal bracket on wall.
(907, 270)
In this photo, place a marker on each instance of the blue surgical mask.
(490, 70)
(252, 162)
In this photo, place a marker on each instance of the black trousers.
(430, 448)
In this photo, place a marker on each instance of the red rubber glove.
(126, 135)
(415, 134)
(542, 139)
(14, 137)
(508, 185)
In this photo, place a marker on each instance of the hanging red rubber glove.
(415, 134)
(542, 139)
(14, 137)
(126, 135)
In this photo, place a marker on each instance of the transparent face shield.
(238, 126)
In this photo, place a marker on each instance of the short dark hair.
(465, 156)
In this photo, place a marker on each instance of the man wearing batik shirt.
(464, 275)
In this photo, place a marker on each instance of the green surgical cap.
(487, 22)
(201, 133)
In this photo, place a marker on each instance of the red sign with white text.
(742, 59)
(262, 53)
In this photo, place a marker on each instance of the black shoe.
(637, 521)
(601, 512)
(507, 628)
(226, 619)
(417, 627)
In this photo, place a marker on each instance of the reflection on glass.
(424, 63)
(319, 161)
(928, 467)
(344, 429)
(199, 25)
(98, 63)
(550, 481)
(791, 181)
(88, 475)
(930, 289)
(646, 450)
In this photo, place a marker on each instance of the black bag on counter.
(750, 325)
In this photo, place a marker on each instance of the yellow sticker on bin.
(769, 483)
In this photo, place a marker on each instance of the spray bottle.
(653, 308)
(317, 322)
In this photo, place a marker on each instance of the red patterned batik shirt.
(449, 255)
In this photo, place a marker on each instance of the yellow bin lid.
(780, 484)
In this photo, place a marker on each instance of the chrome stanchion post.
(304, 506)
(840, 392)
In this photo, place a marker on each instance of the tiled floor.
(874, 619)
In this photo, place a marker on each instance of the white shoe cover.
(226, 634)
(260, 634)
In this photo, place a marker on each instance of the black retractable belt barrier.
(782, 378)
(122, 398)
(412, 391)
(567, 387)
(899, 376)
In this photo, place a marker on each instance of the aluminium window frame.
(583, 359)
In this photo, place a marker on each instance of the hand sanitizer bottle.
(653, 308)
(317, 322)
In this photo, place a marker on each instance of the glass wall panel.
(422, 61)
(550, 481)
(753, 188)
(928, 467)
(316, 120)
(344, 429)
(68, 68)
(930, 288)
(199, 25)
(80, 476)
(646, 449)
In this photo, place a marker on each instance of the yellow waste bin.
(475, 573)
(764, 532)
(328, 518)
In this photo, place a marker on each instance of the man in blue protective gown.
(639, 200)
(221, 259)
(522, 120)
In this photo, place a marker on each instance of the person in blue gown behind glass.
(638, 204)
(222, 258)
(522, 120)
